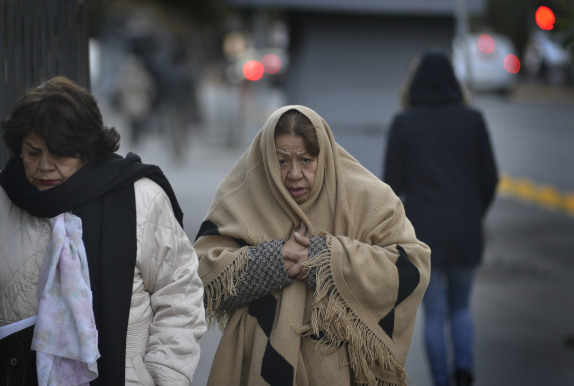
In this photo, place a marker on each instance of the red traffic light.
(545, 18)
(253, 70)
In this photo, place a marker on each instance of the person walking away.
(440, 161)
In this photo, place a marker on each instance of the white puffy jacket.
(166, 317)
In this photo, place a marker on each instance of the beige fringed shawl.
(356, 327)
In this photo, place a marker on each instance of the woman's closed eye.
(32, 153)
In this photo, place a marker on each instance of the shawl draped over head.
(370, 279)
(103, 197)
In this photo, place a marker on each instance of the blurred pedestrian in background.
(155, 89)
(309, 263)
(92, 243)
(135, 95)
(440, 161)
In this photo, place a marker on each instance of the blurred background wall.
(222, 66)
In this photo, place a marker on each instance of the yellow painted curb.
(544, 195)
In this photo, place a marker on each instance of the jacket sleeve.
(264, 273)
(488, 171)
(169, 270)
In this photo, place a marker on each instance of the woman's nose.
(295, 171)
(46, 162)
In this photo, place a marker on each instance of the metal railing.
(40, 39)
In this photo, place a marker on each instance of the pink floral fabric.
(65, 336)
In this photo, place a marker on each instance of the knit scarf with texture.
(370, 279)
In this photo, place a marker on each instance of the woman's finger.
(290, 257)
(302, 229)
(302, 276)
(288, 264)
(304, 241)
(294, 270)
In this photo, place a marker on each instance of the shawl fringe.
(381, 383)
(336, 324)
(224, 285)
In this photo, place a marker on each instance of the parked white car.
(486, 62)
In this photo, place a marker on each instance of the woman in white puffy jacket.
(92, 254)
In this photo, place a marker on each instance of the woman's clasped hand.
(295, 253)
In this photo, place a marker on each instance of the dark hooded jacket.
(439, 159)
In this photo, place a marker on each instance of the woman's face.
(298, 166)
(43, 169)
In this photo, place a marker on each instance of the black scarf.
(103, 197)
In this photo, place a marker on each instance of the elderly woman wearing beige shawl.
(309, 264)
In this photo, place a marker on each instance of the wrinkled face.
(43, 169)
(298, 167)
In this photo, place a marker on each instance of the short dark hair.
(66, 116)
(294, 122)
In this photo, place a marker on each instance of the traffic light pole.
(461, 14)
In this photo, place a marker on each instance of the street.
(523, 295)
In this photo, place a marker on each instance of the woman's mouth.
(297, 192)
(48, 182)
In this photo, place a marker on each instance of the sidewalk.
(538, 93)
(523, 297)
